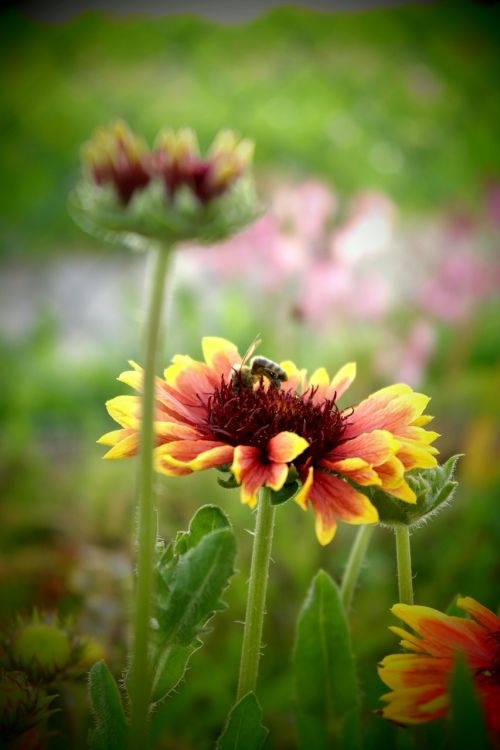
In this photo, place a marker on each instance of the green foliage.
(467, 727)
(22, 705)
(111, 727)
(327, 701)
(319, 93)
(244, 729)
(434, 489)
(287, 492)
(191, 576)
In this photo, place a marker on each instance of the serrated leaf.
(191, 576)
(197, 583)
(169, 665)
(244, 729)
(286, 493)
(111, 730)
(432, 487)
(207, 519)
(324, 675)
(467, 726)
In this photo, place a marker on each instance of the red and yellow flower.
(205, 419)
(419, 681)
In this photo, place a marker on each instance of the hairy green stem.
(256, 598)
(139, 683)
(356, 557)
(403, 555)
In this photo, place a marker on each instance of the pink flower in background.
(304, 209)
(417, 353)
(367, 231)
(462, 279)
(261, 254)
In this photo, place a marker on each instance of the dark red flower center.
(244, 415)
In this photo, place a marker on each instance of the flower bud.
(115, 156)
(171, 194)
(433, 488)
(42, 649)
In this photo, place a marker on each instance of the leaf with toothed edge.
(244, 730)
(192, 573)
(434, 489)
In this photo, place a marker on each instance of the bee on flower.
(204, 420)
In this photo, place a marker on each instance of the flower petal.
(342, 380)
(480, 613)
(285, 447)
(253, 473)
(127, 447)
(220, 354)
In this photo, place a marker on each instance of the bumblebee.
(257, 368)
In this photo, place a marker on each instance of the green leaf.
(191, 576)
(286, 493)
(229, 483)
(111, 727)
(170, 664)
(466, 717)
(244, 730)
(205, 520)
(200, 577)
(325, 680)
(434, 488)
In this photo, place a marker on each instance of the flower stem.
(139, 683)
(403, 555)
(256, 599)
(356, 557)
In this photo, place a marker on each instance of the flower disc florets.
(252, 416)
(208, 416)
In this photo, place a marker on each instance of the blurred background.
(378, 169)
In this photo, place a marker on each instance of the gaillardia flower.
(419, 681)
(209, 415)
(170, 193)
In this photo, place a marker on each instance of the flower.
(419, 681)
(133, 194)
(116, 156)
(177, 160)
(207, 416)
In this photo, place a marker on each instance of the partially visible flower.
(177, 160)
(46, 650)
(172, 194)
(206, 416)
(23, 708)
(116, 156)
(420, 681)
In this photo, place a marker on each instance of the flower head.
(207, 415)
(419, 681)
(170, 193)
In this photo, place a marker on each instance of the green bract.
(152, 215)
(434, 488)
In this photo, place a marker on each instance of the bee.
(258, 367)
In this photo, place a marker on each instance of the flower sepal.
(433, 488)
